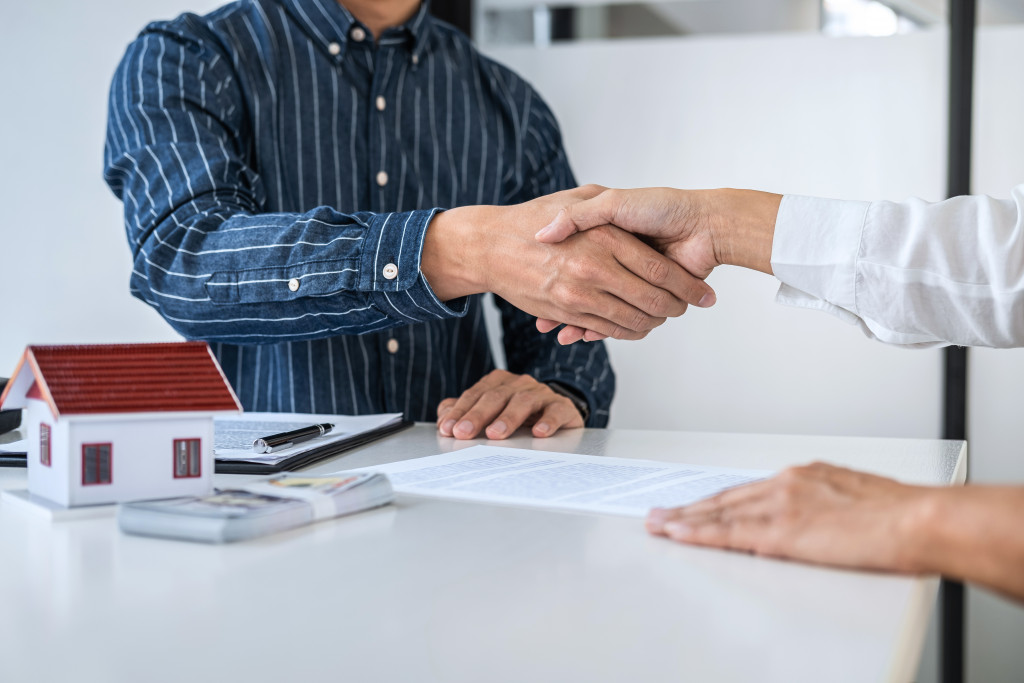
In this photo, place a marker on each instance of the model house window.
(44, 444)
(186, 458)
(96, 461)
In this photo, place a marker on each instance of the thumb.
(589, 213)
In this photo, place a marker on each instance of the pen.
(276, 442)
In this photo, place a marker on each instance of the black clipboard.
(313, 455)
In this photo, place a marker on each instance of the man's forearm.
(452, 261)
(973, 534)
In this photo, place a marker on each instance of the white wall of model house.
(142, 462)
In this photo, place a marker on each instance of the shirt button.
(415, 59)
(334, 49)
(392, 346)
(293, 284)
(357, 34)
(382, 178)
(381, 103)
(390, 271)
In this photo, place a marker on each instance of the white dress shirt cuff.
(815, 250)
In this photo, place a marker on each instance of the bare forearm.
(451, 262)
(743, 226)
(974, 534)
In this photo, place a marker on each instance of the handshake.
(604, 262)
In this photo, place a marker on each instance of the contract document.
(617, 486)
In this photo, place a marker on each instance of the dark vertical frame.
(458, 13)
(563, 23)
(962, 24)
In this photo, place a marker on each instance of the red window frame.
(193, 463)
(45, 447)
(97, 465)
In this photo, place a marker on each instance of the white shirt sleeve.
(911, 273)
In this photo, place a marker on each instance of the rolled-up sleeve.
(206, 255)
(910, 273)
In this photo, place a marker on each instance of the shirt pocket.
(283, 283)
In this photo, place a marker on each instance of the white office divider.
(852, 118)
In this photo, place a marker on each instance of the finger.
(662, 273)
(742, 535)
(581, 216)
(483, 412)
(469, 398)
(731, 498)
(557, 414)
(623, 322)
(544, 325)
(520, 407)
(443, 407)
(591, 336)
(658, 517)
(570, 334)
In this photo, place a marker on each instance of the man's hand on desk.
(605, 279)
(502, 402)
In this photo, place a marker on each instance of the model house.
(119, 422)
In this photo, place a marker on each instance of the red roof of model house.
(121, 378)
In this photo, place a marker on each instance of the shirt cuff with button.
(390, 268)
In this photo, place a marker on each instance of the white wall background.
(860, 118)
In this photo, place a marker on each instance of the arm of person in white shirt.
(908, 273)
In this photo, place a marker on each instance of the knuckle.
(656, 271)
(658, 303)
(639, 321)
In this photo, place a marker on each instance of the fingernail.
(547, 229)
(543, 427)
(678, 529)
(707, 300)
(465, 428)
(447, 427)
(499, 427)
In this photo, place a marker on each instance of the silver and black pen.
(277, 442)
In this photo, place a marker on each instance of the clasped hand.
(605, 279)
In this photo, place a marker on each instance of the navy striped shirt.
(279, 168)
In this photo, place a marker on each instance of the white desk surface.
(428, 590)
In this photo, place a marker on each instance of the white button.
(293, 284)
(415, 59)
(381, 103)
(391, 271)
(382, 178)
(334, 49)
(357, 34)
(392, 346)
